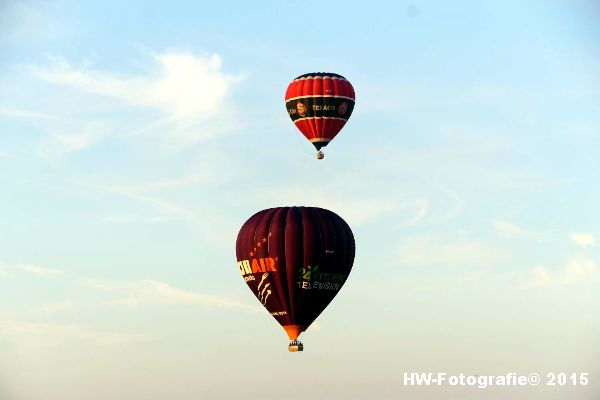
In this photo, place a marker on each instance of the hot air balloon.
(295, 260)
(320, 103)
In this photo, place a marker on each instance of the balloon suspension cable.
(320, 155)
(295, 345)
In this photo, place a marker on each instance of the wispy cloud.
(187, 91)
(203, 223)
(421, 209)
(583, 239)
(541, 276)
(355, 210)
(19, 113)
(182, 181)
(38, 270)
(456, 207)
(424, 251)
(4, 271)
(74, 136)
(356, 200)
(149, 292)
(180, 98)
(183, 86)
(51, 308)
(8, 155)
(581, 269)
(129, 218)
(577, 270)
(30, 336)
(509, 229)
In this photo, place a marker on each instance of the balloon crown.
(320, 74)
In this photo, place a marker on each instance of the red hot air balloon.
(295, 260)
(320, 103)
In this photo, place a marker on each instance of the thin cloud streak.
(184, 181)
(150, 292)
(4, 154)
(19, 113)
(583, 239)
(354, 211)
(38, 270)
(425, 251)
(204, 224)
(422, 208)
(577, 270)
(127, 219)
(57, 307)
(510, 230)
(456, 208)
(34, 335)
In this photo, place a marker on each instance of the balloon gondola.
(295, 345)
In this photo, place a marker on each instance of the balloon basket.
(320, 155)
(295, 345)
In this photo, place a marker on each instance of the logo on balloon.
(301, 108)
(342, 108)
(310, 277)
(256, 265)
(264, 294)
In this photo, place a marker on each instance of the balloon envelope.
(320, 103)
(295, 260)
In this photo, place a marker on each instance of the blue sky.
(136, 139)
